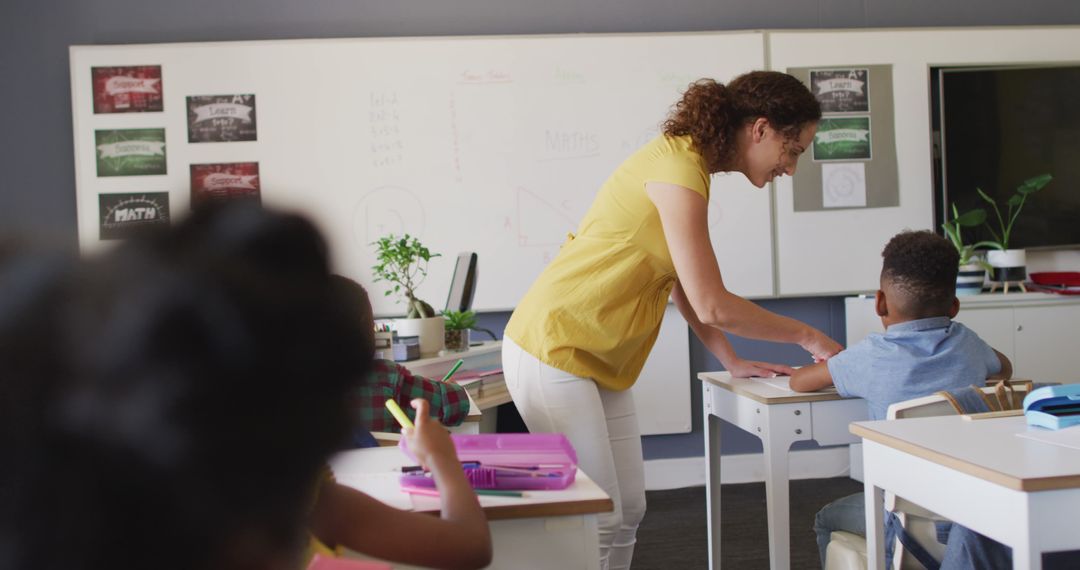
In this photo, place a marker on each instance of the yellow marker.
(398, 414)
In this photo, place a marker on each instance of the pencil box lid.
(529, 461)
(1053, 407)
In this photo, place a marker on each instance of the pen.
(499, 493)
(453, 370)
(488, 492)
(398, 414)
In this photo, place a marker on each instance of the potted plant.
(403, 263)
(458, 324)
(1008, 265)
(969, 280)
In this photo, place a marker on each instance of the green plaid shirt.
(388, 379)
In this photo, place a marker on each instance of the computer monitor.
(463, 284)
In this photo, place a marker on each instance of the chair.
(847, 551)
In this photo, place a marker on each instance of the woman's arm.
(718, 344)
(684, 216)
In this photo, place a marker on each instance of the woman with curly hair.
(579, 337)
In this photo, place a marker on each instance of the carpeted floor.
(673, 534)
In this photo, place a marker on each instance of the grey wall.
(37, 192)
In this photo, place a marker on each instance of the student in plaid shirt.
(448, 402)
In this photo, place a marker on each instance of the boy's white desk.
(779, 417)
(544, 530)
(1018, 491)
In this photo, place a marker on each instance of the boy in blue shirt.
(921, 352)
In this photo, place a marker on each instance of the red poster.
(227, 181)
(133, 89)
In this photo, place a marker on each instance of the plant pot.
(1009, 265)
(430, 331)
(457, 340)
(969, 281)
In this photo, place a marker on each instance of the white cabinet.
(1038, 332)
(1047, 342)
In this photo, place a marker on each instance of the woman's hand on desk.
(751, 368)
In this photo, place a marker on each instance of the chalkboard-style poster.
(222, 182)
(130, 152)
(132, 89)
(843, 138)
(841, 90)
(125, 215)
(221, 118)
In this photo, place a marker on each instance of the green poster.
(846, 138)
(130, 152)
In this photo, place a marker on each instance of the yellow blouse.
(595, 311)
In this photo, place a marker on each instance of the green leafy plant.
(403, 262)
(459, 320)
(953, 228)
(1015, 205)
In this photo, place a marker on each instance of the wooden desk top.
(987, 449)
(766, 390)
(360, 467)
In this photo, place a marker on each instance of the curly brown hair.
(711, 112)
(922, 268)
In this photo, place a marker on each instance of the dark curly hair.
(922, 268)
(172, 403)
(711, 112)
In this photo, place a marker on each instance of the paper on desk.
(1067, 437)
(783, 384)
(383, 487)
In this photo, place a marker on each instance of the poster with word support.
(130, 152)
(221, 118)
(841, 90)
(842, 138)
(125, 215)
(212, 183)
(130, 89)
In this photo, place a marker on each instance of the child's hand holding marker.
(428, 440)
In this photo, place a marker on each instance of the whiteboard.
(495, 145)
(840, 251)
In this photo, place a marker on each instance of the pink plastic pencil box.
(512, 461)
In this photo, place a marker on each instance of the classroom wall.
(37, 192)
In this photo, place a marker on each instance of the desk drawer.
(831, 418)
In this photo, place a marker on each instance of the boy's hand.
(428, 440)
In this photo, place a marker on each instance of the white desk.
(1020, 492)
(545, 530)
(779, 418)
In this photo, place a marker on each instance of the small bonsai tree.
(952, 229)
(1015, 204)
(403, 262)
(459, 320)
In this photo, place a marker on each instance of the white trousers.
(602, 426)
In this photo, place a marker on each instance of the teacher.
(579, 337)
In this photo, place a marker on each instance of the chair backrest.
(924, 407)
(937, 405)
